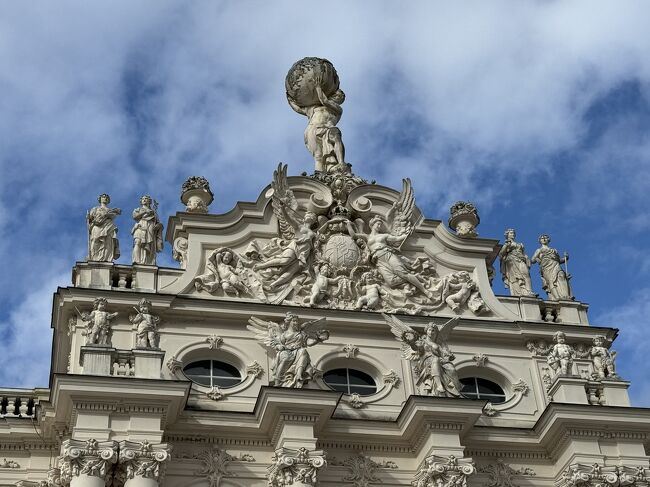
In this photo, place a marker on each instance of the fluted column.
(142, 464)
(87, 463)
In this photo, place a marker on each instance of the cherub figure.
(436, 374)
(147, 331)
(603, 359)
(294, 251)
(322, 136)
(561, 356)
(222, 270)
(98, 331)
(461, 286)
(291, 366)
(319, 289)
(369, 291)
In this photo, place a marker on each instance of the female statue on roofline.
(554, 279)
(515, 266)
(103, 245)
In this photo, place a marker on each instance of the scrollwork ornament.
(391, 378)
(174, 365)
(254, 369)
(521, 386)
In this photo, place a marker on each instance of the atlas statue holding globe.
(312, 86)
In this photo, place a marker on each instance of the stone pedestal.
(530, 308)
(144, 277)
(148, 362)
(96, 275)
(569, 389)
(615, 392)
(96, 360)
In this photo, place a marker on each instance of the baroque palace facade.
(326, 334)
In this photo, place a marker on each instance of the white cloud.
(132, 97)
(26, 342)
(632, 344)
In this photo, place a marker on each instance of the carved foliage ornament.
(363, 470)
(289, 466)
(501, 474)
(215, 463)
(438, 471)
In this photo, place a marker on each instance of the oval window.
(477, 388)
(350, 381)
(211, 373)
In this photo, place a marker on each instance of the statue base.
(569, 389)
(97, 359)
(148, 362)
(615, 392)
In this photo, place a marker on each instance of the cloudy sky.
(536, 111)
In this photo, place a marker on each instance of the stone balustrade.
(17, 403)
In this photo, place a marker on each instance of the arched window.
(350, 381)
(477, 388)
(211, 373)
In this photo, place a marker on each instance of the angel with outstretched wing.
(395, 269)
(291, 366)
(436, 374)
(298, 237)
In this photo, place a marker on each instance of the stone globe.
(301, 80)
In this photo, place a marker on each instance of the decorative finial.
(464, 219)
(196, 194)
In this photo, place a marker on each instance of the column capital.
(91, 458)
(143, 459)
(444, 471)
(295, 467)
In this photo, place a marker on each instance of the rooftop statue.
(312, 86)
(555, 280)
(515, 266)
(147, 232)
(103, 245)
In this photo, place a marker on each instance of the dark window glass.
(477, 388)
(212, 373)
(350, 381)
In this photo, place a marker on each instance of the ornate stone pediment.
(334, 241)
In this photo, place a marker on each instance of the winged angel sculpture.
(292, 253)
(433, 361)
(291, 366)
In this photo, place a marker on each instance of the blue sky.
(536, 111)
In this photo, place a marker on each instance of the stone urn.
(464, 219)
(196, 194)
